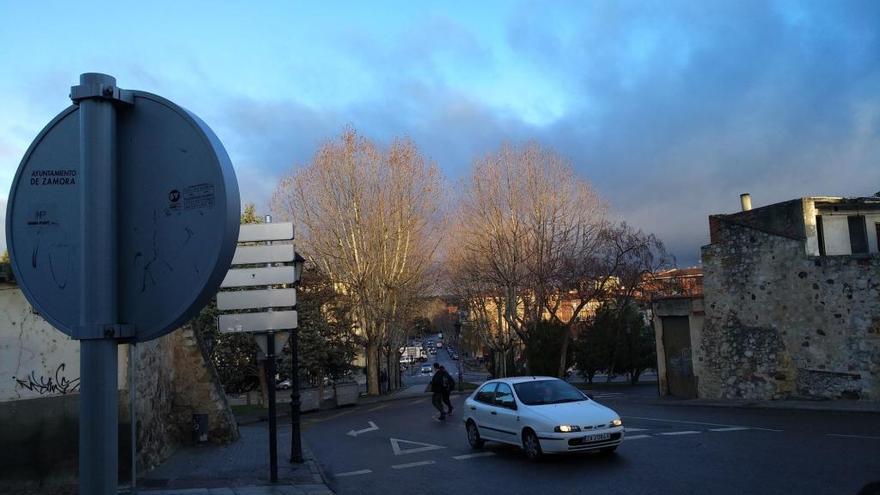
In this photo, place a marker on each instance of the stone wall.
(174, 380)
(781, 324)
(39, 399)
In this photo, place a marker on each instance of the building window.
(820, 230)
(858, 234)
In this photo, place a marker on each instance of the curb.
(822, 406)
(318, 473)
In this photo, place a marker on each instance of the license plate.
(598, 437)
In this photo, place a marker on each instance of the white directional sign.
(258, 282)
(247, 255)
(255, 299)
(250, 277)
(255, 232)
(257, 322)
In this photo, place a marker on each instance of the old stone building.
(791, 305)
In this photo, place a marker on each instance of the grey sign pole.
(98, 434)
(110, 254)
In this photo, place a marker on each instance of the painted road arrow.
(354, 433)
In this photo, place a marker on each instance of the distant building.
(790, 306)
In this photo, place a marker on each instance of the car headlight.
(566, 428)
(616, 422)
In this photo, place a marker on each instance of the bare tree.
(366, 216)
(523, 216)
(533, 243)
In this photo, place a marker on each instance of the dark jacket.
(442, 382)
(437, 382)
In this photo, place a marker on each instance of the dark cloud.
(673, 109)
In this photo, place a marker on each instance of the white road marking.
(411, 464)
(670, 433)
(635, 437)
(418, 401)
(383, 406)
(423, 447)
(372, 427)
(606, 395)
(699, 423)
(354, 473)
(634, 429)
(853, 436)
(471, 456)
(729, 428)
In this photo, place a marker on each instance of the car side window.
(486, 394)
(504, 397)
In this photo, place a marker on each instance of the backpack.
(448, 382)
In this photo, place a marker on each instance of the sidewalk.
(849, 406)
(239, 468)
(646, 394)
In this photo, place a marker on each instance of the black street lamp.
(460, 354)
(295, 434)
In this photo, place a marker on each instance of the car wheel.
(473, 435)
(531, 445)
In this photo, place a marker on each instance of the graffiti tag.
(59, 384)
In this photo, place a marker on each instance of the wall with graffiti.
(35, 359)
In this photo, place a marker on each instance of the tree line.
(528, 248)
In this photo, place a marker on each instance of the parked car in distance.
(283, 385)
(542, 415)
(426, 369)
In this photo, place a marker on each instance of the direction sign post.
(256, 289)
(120, 225)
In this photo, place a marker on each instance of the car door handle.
(473, 408)
(493, 413)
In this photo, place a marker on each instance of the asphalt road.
(669, 449)
(442, 357)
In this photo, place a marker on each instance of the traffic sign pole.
(172, 213)
(99, 436)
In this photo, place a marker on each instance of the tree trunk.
(372, 368)
(562, 362)
(634, 377)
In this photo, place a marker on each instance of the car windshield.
(539, 392)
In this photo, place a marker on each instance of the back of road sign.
(177, 217)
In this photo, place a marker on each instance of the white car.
(543, 415)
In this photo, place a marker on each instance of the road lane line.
(729, 428)
(383, 406)
(471, 456)
(671, 433)
(418, 401)
(635, 437)
(411, 464)
(634, 429)
(852, 436)
(354, 473)
(700, 423)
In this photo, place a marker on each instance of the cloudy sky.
(670, 108)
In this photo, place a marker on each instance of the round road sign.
(177, 217)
